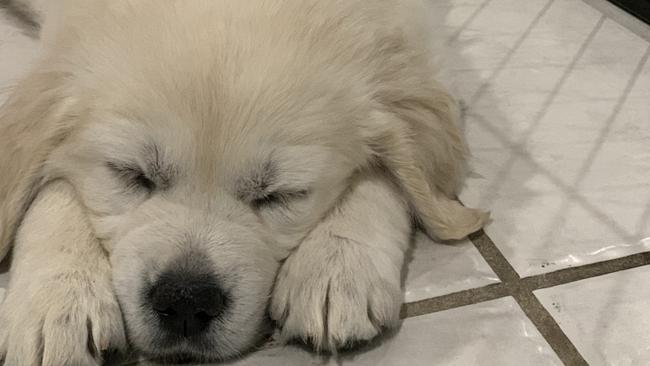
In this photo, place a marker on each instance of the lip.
(189, 351)
(179, 359)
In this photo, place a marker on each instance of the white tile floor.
(438, 269)
(556, 130)
(558, 119)
(605, 317)
(493, 333)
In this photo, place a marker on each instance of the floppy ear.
(32, 124)
(415, 137)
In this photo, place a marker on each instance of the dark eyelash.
(133, 176)
(278, 198)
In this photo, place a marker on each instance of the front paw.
(333, 293)
(69, 319)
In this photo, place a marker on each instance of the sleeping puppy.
(173, 171)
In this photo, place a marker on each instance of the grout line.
(612, 117)
(532, 283)
(621, 17)
(468, 21)
(548, 327)
(568, 190)
(570, 67)
(521, 289)
(515, 47)
(512, 285)
(539, 116)
(454, 300)
(534, 310)
(586, 271)
(511, 52)
(602, 137)
(494, 257)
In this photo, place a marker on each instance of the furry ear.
(415, 137)
(32, 123)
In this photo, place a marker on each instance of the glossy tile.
(602, 73)
(486, 42)
(605, 317)
(436, 269)
(557, 36)
(560, 155)
(456, 13)
(541, 223)
(491, 333)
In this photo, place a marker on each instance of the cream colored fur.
(61, 294)
(338, 96)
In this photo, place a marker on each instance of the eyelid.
(132, 174)
(123, 168)
(279, 197)
(297, 193)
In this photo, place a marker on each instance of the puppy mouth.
(201, 349)
(179, 359)
(192, 305)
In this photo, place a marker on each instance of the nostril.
(166, 313)
(204, 317)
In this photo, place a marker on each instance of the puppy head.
(204, 158)
(197, 183)
(197, 199)
(185, 212)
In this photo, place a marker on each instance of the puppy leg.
(59, 308)
(342, 284)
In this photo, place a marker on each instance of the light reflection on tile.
(605, 317)
(560, 149)
(493, 333)
(557, 36)
(438, 269)
(541, 225)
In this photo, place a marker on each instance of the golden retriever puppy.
(172, 171)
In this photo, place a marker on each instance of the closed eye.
(278, 198)
(132, 176)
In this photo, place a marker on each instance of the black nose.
(186, 304)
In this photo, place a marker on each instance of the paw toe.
(66, 340)
(107, 330)
(462, 222)
(306, 325)
(24, 345)
(348, 319)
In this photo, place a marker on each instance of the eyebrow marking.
(279, 198)
(257, 184)
(132, 175)
(154, 172)
(156, 168)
